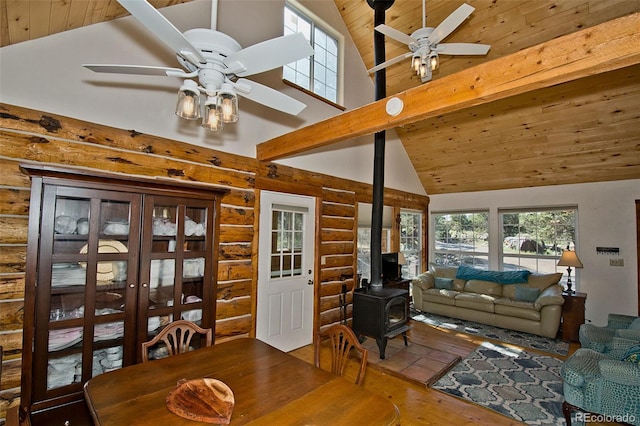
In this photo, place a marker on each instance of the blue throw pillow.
(632, 355)
(527, 294)
(500, 277)
(444, 283)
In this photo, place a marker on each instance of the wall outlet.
(616, 262)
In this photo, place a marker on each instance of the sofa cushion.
(483, 287)
(478, 302)
(444, 283)
(447, 272)
(501, 277)
(543, 281)
(527, 294)
(442, 296)
(515, 308)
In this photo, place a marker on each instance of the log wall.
(33, 136)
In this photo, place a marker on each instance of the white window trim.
(333, 33)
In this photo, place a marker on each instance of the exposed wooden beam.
(605, 47)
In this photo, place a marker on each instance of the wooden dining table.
(269, 387)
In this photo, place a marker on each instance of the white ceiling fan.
(424, 44)
(218, 63)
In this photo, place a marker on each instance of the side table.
(572, 315)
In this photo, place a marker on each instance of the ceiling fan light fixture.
(188, 105)
(211, 119)
(227, 104)
(433, 61)
(416, 61)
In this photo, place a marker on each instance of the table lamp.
(569, 259)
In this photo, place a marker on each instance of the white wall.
(606, 218)
(46, 74)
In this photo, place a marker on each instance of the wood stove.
(381, 314)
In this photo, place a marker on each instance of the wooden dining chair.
(342, 340)
(177, 337)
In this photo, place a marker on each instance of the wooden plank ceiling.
(586, 130)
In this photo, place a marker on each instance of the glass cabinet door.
(87, 284)
(176, 264)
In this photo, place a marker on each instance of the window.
(318, 74)
(364, 249)
(462, 238)
(534, 239)
(411, 242)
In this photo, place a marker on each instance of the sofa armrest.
(620, 320)
(621, 372)
(551, 295)
(423, 282)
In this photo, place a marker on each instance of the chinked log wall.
(34, 136)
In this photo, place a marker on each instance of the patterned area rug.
(524, 386)
(526, 340)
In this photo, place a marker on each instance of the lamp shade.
(570, 258)
(401, 259)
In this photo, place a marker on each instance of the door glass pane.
(64, 370)
(195, 225)
(287, 243)
(107, 353)
(164, 225)
(161, 283)
(107, 359)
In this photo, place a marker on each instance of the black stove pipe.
(379, 7)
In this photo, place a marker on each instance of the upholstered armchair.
(612, 339)
(594, 382)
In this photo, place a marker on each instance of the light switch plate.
(616, 262)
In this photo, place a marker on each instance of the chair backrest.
(342, 340)
(177, 337)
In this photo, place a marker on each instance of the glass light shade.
(433, 61)
(415, 63)
(227, 104)
(211, 119)
(188, 105)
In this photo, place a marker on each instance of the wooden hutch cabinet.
(110, 261)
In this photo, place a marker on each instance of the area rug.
(524, 386)
(417, 363)
(526, 340)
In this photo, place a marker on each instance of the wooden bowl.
(203, 400)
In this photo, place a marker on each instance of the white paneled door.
(285, 270)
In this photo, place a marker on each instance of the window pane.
(411, 243)
(462, 238)
(534, 240)
(321, 74)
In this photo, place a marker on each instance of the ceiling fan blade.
(135, 69)
(269, 97)
(450, 24)
(390, 62)
(462, 48)
(163, 29)
(395, 34)
(269, 54)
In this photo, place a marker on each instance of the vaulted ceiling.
(587, 130)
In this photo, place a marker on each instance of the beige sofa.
(534, 308)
